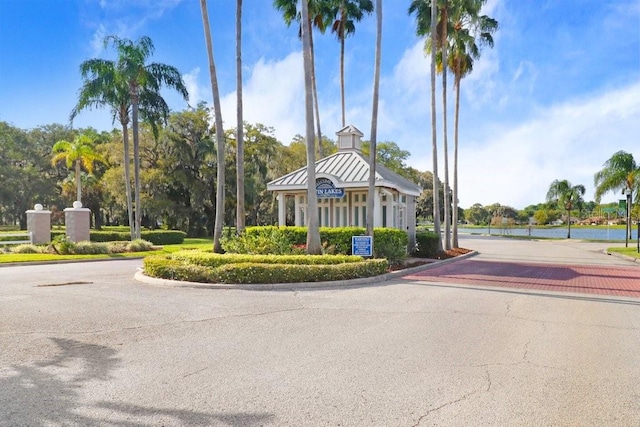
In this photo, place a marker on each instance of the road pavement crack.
(444, 405)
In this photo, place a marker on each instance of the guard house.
(342, 182)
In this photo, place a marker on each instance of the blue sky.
(554, 99)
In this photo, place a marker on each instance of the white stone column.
(39, 224)
(282, 209)
(296, 208)
(77, 222)
(377, 209)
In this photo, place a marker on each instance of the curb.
(621, 256)
(345, 284)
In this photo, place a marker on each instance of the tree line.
(178, 172)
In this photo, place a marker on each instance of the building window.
(384, 216)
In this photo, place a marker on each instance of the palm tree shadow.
(51, 393)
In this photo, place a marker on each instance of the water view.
(603, 233)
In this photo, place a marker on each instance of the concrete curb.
(621, 256)
(345, 284)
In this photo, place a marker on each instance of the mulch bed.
(415, 262)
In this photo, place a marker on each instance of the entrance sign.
(362, 245)
(325, 189)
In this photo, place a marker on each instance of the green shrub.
(253, 273)
(339, 238)
(156, 237)
(89, 248)
(63, 246)
(164, 237)
(165, 268)
(139, 245)
(213, 260)
(198, 266)
(426, 245)
(268, 240)
(389, 243)
(26, 249)
(118, 247)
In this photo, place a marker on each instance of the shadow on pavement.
(50, 393)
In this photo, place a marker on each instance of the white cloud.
(193, 88)
(273, 94)
(566, 141)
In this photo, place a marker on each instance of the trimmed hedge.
(426, 245)
(213, 260)
(157, 237)
(389, 243)
(333, 268)
(164, 267)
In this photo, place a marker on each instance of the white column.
(77, 221)
(282, 209)
(39, 224)
(377, 209)
(298, 221)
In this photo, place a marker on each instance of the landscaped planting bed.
(207, 267)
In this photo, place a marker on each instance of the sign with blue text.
(362, 245)
(325, 189)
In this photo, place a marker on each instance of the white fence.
(27, 238)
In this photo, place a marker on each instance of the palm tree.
(347, 11)
(567, 195)
(102, 87)
(141, 77)
(129, 85)
(620, 172)
(313, 230)
(467, 27)
(217, 228)
(426, 17)
(79, 152)
(240, 208)
(319, 11)
(374, 121)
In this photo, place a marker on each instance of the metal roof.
(350, 169)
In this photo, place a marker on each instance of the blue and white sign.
(362, 245)
(325, 189)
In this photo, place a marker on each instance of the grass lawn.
(631, 251)
(188, 244)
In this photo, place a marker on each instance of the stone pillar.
(77, 222)
(39, 224)
(282, 210)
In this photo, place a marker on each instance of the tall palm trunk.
(219, 220)
(434, 136)
(341, 35)
(445, 144)
(374, 121)
(455, 162)
(78, 182)
(240, 208)
(313, 230)
(127, 174)
(136, 161)
(316, 106)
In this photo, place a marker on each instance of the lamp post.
(627, 192)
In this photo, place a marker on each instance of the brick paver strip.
(602, 280)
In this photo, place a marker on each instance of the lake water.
(602, 233)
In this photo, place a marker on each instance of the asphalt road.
(85, 344)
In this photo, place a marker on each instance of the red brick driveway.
(588, 279)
